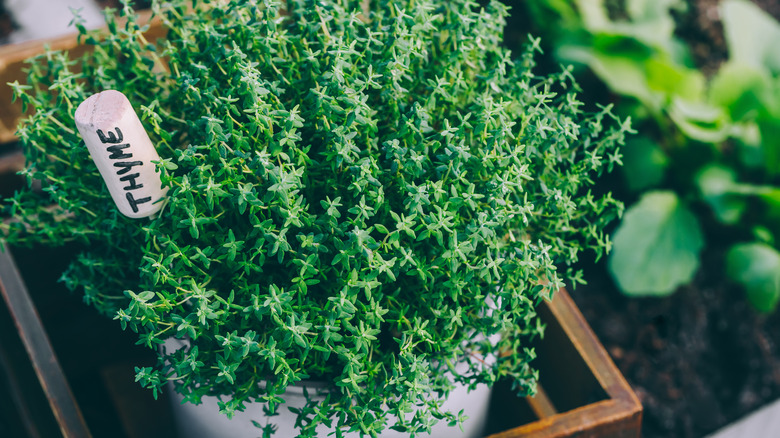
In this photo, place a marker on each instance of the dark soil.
(702, 30)
(703, 357)
(698, 360)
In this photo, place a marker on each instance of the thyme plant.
(358, 193)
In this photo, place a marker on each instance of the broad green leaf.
(700, 121)
(656, 247)
(594, 15)
(652, 22)
(739, 88)
(751, 35)
(563, 9)
(665, 75)
(718, 186)
(621, 46)
(652, 78)
(756, 267)
(555, 10)
(623, 75)
(728, 197)
(770, 144)
(644, 163)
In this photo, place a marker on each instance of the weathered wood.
(541, 404)
(615, 413)
(39, 349)
(618, 416)
(16, 417)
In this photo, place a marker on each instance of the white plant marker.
(122, 151)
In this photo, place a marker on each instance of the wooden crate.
(24, 410)
(582, 392)
(83, 361)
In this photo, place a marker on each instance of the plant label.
(122, 151)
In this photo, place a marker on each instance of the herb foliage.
(358, 193)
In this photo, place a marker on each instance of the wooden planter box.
(582, 393)
(69, 371)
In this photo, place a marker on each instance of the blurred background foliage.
(703, 172)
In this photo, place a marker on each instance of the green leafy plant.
(359, 194)
(707, 150)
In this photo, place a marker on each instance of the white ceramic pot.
(41, 19)
(205, 421)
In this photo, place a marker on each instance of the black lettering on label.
(111, 138)
(134, 202)
(127, 165)
(131, 178)
(116, 152)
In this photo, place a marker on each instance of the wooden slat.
(619, 416)
(602, 419)
(38, 347)
(12, 57)
(597, 358)
(541, 404)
